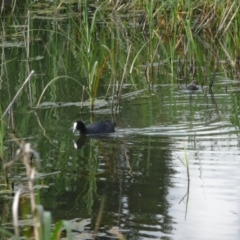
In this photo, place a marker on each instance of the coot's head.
(79, 126)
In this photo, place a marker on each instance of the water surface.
(137, 172)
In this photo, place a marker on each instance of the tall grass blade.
(58, 228)
(15, 210)
(9, 234)
(44, 90)
(2, 134)
(47, 225)
(135, 58)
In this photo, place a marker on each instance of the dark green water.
(136, 174)
(137, 171)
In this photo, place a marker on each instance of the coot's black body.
(193, 86)
(99, 127)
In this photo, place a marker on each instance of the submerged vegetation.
(106, 43)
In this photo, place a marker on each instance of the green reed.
(2, 134)
(2, 151)
(42, 220)
(94, 62)
(170, 31)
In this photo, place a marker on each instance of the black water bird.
(99, 127)
(193, 86)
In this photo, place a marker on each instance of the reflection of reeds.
(18, 92)
(2, 133)
(123, 77)
(52, 81)
(2, 136)
(186, 163)
(99, 217)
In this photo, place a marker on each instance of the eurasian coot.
(94, 128)
(193, 86)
